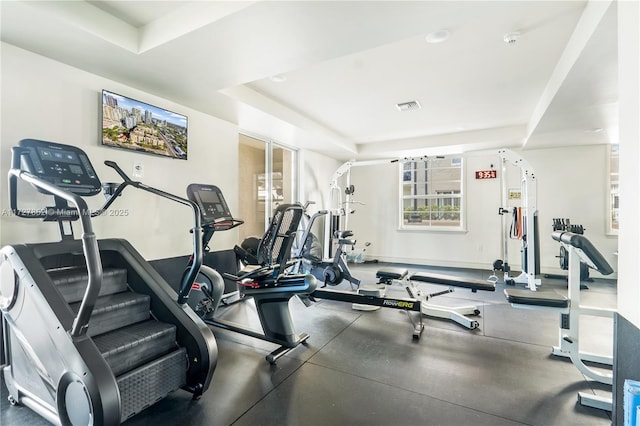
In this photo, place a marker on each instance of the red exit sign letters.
(486, 174)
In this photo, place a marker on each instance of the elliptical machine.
(266, 281)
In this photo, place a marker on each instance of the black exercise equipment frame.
(286, 342)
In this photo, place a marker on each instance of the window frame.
(613, 193)
(405, 225)
(263, 188)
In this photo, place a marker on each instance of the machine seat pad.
(581, 242)
(536, 298)
(453, 281)
(392, 273)
(343, 234)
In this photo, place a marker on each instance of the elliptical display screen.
(65, 166)
(210, 201)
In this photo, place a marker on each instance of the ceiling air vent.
(408, 106)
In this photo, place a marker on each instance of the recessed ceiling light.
(511, 38)
(278, 78)
(437, 36)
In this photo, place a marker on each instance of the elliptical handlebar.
(198, 247)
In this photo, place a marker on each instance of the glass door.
(267, 178)
(282, 176)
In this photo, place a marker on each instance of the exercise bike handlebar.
(189, 278)
(89, 241)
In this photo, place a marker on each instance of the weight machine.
(528, 229)
(564, 224)
(338, 207)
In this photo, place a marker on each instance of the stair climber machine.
(266, 281)
(92, 334)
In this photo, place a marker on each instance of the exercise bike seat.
(343, 234)
(343, 238)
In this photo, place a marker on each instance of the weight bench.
(458, 314)
(549, 299)
(580, 250)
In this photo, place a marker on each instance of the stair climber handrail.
(89, 241)
(190, 277)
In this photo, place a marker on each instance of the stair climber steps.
(72, 282)
(146, 385)
(130, 347)
(141, 352)
(115, 311)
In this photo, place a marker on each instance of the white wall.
(45, 99)
(629, 111)
(48, 100)
(316, 171)
(572, 182)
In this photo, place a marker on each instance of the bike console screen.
(65, 166)
(209, 199)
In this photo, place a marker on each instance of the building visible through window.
(432, 193)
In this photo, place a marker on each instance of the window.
(614, 188)
(432, 193)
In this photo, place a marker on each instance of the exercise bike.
(308, 251)
(266, 281)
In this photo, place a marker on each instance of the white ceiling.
(347, 63)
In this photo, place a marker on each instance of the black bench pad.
(581, 242)
(453, 281)
(536, 298)
(392, 273)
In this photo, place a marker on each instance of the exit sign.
(486, 174)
